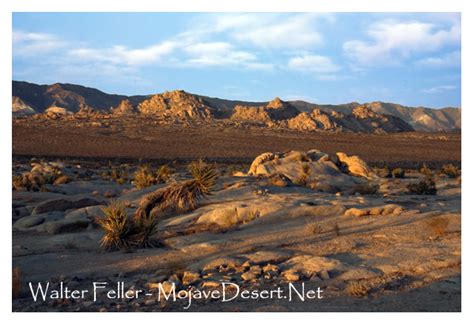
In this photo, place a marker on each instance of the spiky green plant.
(144, 228)
(180, 196)
(117, 227)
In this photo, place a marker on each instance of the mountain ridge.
(30, 98)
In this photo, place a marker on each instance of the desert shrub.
(122, 232)
(40, 175)
(438, 225)
(337, 229)
(366, 188)
(357, 288)
(450, 170)
(180, 196)
(425, 170)
(163, 174)
(117, 227)
(144, 228)
(119, 175)
(144, 177)
(426, 186)
(398, 173)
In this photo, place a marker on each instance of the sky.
(412, 59)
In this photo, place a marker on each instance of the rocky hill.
(30, 99)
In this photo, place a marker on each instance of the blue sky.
(408, 58)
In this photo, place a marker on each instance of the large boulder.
(314, 169)
(355, 165)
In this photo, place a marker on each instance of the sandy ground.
(146, 138)
(393, 259)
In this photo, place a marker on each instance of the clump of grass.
(425, 170)
(357, 288)
(163, 174)
(398, 173)
(450, 170)
(438, 225)
(144, 177)
(426, 186)
(119, 175)
(180, 196)
(337, 229)
(122, 232)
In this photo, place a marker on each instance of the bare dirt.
(145, 138)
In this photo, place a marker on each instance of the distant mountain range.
(30, 99)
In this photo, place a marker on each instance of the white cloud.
(222, 54)
(268, 31)
(394, 40)
(313, 63)
(123, 55)
(32, 44)
(438, 89)
(452, 59)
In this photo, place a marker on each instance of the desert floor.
(402, 254)
(152, 139)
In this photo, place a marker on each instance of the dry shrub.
(425, 170)
(41, 174)
(438, 225)
(450, 170)
(426, 186)
(398, 173)
(16, 282)
(357, 288)
(337, 229)
(163, 174)
(119, 175)
(144, 177)
(180, 196)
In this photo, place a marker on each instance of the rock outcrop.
(124, 108)
(314, 169)
(177, 104)
(275, 110)
(20, 108)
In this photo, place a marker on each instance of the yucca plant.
(179, 196)
(144, 228)
(117, 227)
(163, 174)
(144, 177)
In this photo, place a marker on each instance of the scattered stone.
(247, 276)
(355, 212)
(63, 226)
(291, 276)
(190, 277)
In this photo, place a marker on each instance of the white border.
(7, 7)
